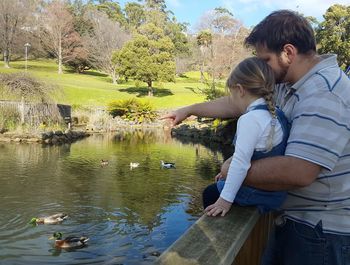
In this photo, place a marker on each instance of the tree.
(135, 14)
(226, 47)
(112, 10)
(333, 34)
(148, 57)
(219, 21)
(155, 12)
(13, 15)
(223, 21)
(156, 4)
(107, 37)
(83, 27)
(176, 32)
(57, 33)
(204, 42)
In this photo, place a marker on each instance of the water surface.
(130, 215)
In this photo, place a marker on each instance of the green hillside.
(96, 89)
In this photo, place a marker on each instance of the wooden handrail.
(218, 240)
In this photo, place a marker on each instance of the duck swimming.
(134, 164)
(167, 164)
(69, 242)
(104, 162)
(51, 220)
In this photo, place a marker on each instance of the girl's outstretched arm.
(223, 107)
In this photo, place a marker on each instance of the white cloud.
(314, 8)
(246, 9)
(310, 8)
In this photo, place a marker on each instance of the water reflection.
(129, 215)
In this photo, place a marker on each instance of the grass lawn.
(96, 89)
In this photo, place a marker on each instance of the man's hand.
(224, 170)
(220, 206)
(218, 177)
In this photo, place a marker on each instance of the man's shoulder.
(328, 83)
(324, 75)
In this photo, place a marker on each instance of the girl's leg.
(210, 195)
(264, 200)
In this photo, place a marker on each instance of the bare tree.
(218, 21)
(13, 15)
(228, 50)
(226, 47)
(205, 44)
(57, 32)
(108, 36)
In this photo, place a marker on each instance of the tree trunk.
(60, 56)
(150, 89)
(114, 77)
(202, 72)
(6, 58)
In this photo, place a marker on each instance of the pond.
(130, 214)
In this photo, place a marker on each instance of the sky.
(250, 12)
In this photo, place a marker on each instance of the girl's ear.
(241, 90)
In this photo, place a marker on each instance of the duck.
(167, 164)
(104, 162)
(51, 220)
(69, 242)
(134, 164)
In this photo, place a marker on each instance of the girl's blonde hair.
(257, 77)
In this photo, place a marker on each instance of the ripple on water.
(130, 216)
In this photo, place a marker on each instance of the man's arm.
(281, 173)
(222, 107)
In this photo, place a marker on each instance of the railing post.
(22, 110)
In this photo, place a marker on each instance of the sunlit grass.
(96, 89)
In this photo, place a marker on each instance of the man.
(314, 94)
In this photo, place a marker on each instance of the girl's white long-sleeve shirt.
(253, 129)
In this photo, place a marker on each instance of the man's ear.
(288, 53)
(241, 90)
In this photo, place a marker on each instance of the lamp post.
(26, 46)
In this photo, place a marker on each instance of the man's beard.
(281, 75)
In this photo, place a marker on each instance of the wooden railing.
(236, 239)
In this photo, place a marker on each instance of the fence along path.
(35, 113)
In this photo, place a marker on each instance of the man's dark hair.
(283, 27)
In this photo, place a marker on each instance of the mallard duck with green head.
(51, 220)
(69, 242)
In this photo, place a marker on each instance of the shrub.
(133, 110)
(9, 118)
(81, 114)
(212, 90)
(22, 86)
(27, 102)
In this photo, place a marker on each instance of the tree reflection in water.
(126, 213)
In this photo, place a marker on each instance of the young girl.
(262, 131)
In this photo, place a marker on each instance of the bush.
(22, 89)
(212, 90)
(22, 86)
(132, 110)
(9, 118)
